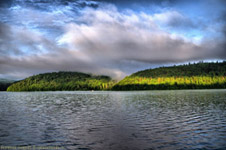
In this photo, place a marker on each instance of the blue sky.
(108, 37)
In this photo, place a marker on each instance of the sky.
(109, 37)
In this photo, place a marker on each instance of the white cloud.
(114, 36)
(103, 40)
(174, 19)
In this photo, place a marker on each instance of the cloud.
(132, 36)
(174, 19)
(7, 3)
(143, 2)
(25, 52)
(17, 41)
(99, 40)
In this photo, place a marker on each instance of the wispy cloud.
(98, 38)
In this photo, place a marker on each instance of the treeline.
(196, 69)
(63, 81)
(170, 83)
(190, 76)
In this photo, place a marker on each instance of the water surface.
(142, 120)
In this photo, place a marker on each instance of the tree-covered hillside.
(191, 76)
(63, 81)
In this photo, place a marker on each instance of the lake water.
(142, 120)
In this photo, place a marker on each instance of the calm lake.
(142, 120)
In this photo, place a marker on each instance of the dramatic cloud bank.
(100, 38)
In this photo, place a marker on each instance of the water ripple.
(144, 120)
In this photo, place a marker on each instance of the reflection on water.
(143, 120)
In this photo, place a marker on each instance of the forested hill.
(63, 81)
(199, 69)
(190, 76)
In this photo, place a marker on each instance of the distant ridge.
(63, 81)
(190, 76)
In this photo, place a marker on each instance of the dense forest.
(189, 76)
(63, 81)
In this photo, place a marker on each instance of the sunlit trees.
(191, 76)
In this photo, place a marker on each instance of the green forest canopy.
(189, 76)
(63, 81)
